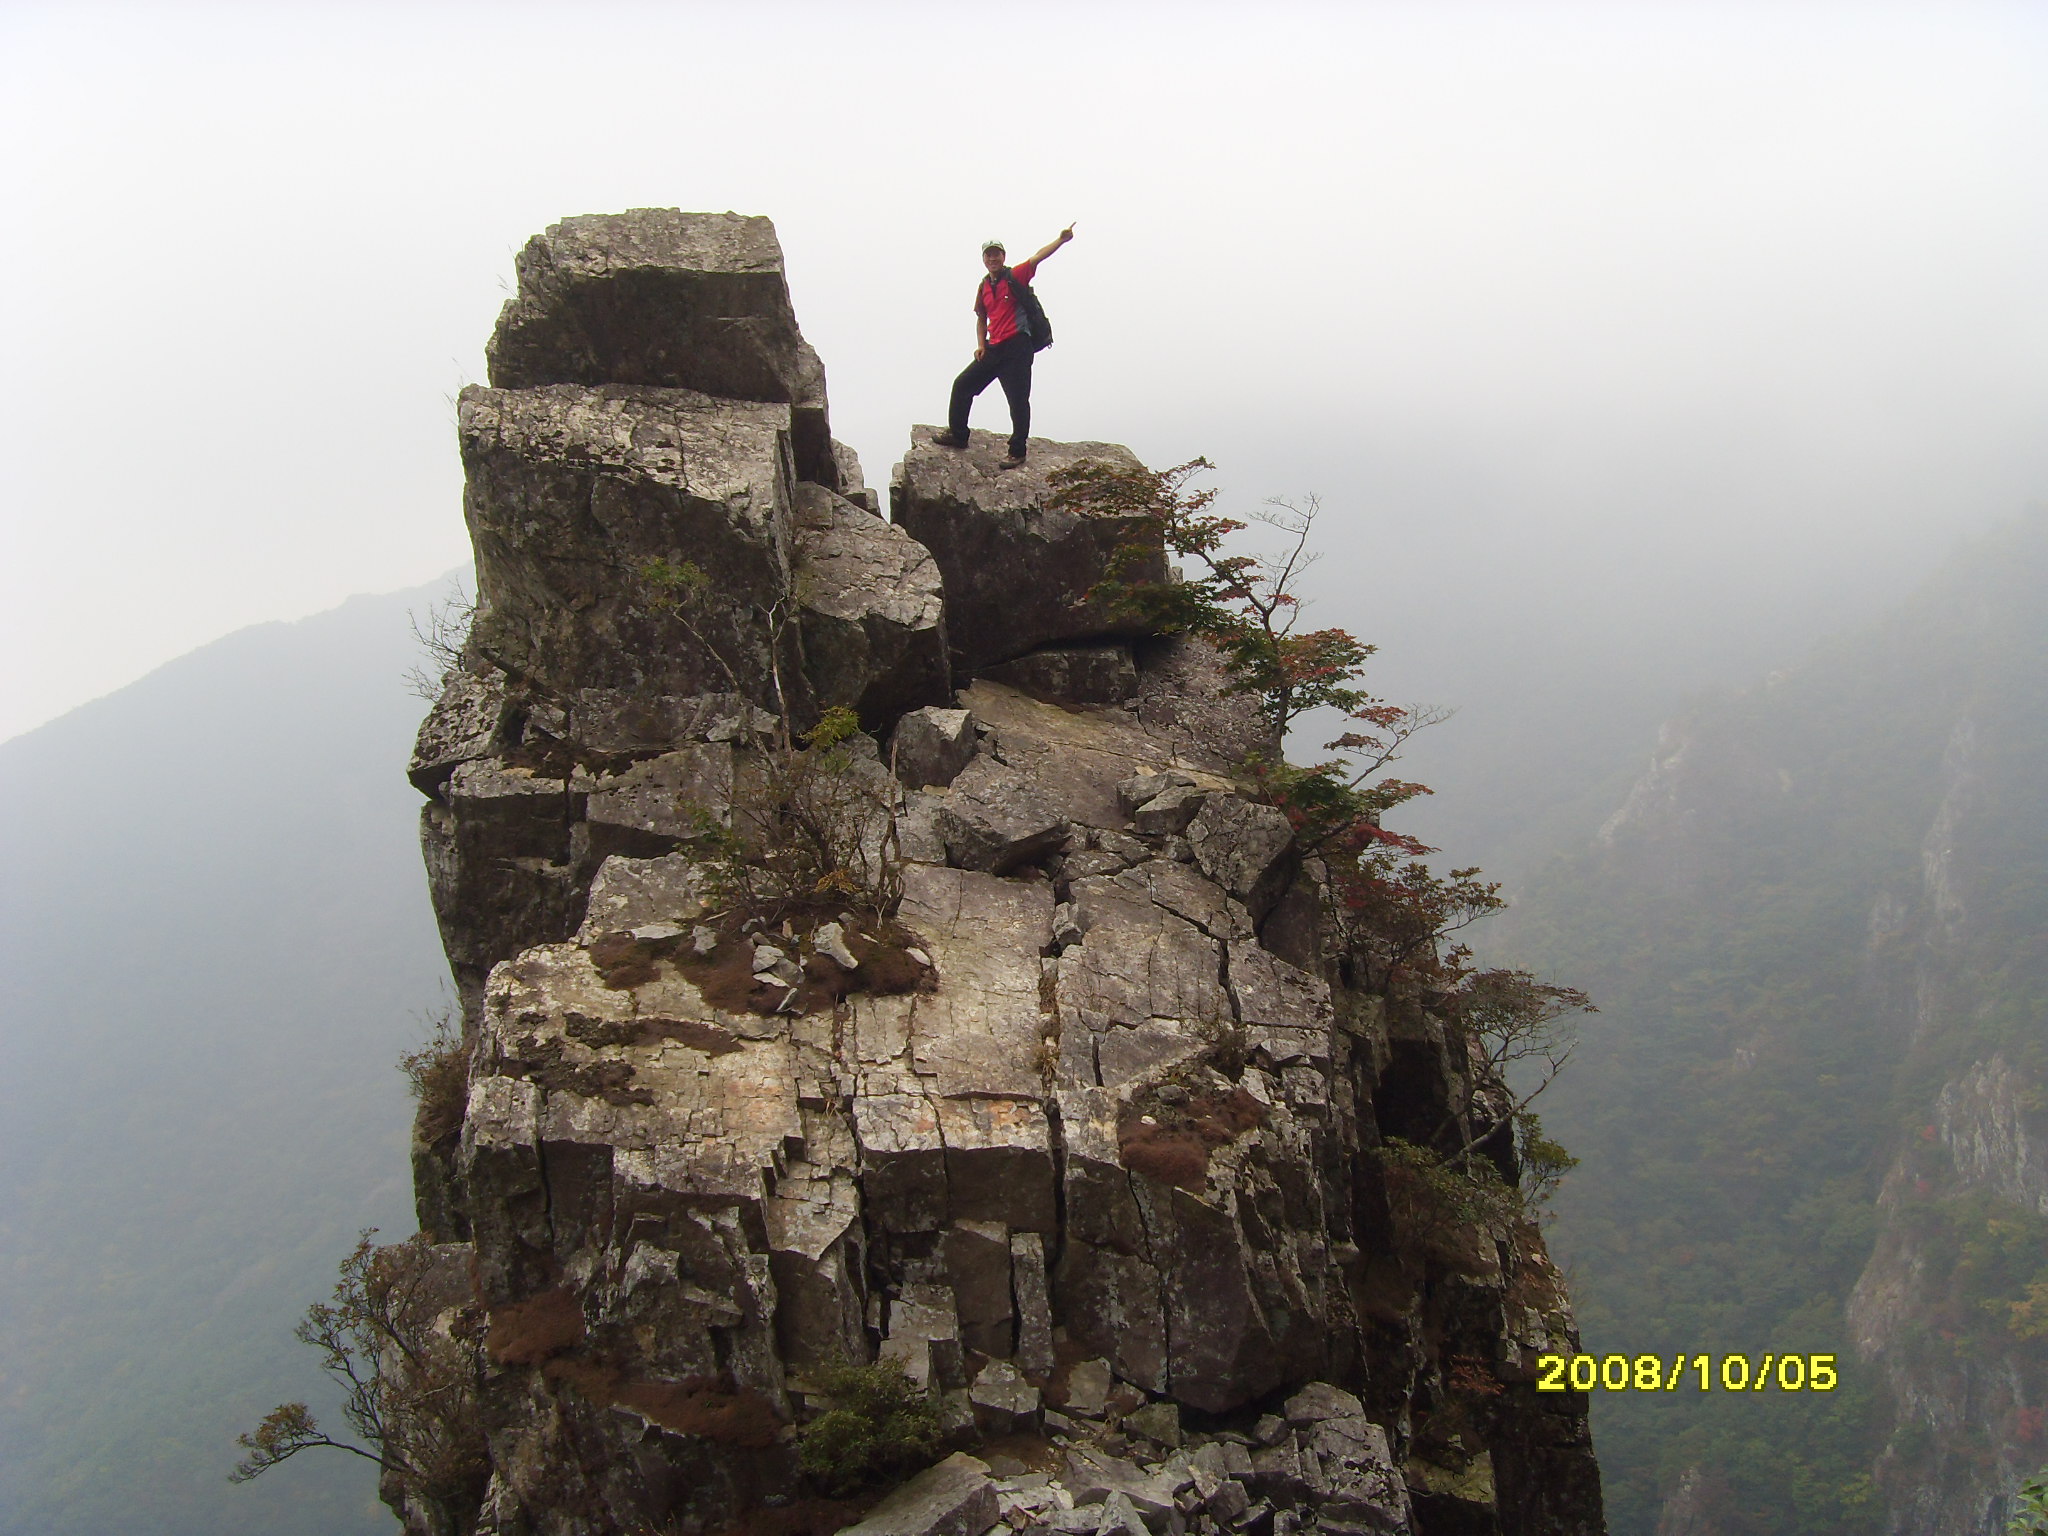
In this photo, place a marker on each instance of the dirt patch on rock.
(1170, 1140)
(530, 1331)
(889, 959)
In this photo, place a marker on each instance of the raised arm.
(1065, 235)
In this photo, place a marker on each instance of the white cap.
(994, 245)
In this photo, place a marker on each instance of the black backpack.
(1031, 319)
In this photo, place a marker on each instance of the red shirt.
(993, 300)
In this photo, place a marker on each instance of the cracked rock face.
(1018, 569)
(1076, 1127)
(652, 296)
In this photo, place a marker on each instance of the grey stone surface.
(996, 817)
(1156, 1421)
(1035, 1354)
(850, 481)
(954, 1498)
(654, 296)
(873, 625)
(1245, 848)
(1140, 789)
(1088, 1384)
(669, 796)
(1017, 569)
(463, 725)
(1087, 674)
(627, 893)
(1091, 1475)
(1320, 1400)
(1185, 697)
(931, 745)
(1004, 1402)
(573, 492)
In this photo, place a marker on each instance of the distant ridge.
(214, 941)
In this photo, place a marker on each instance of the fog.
(1628, 347)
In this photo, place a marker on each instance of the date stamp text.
(1704, 1373)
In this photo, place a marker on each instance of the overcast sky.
(1635, 336)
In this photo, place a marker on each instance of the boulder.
(1018, 570)
(851, 483)
(1245, 848)
(1161, 804)
(1034, 1354)
(1004, 1402)
(977, 1259)
(676, 300)
(500, 870)
(874, 630)
(954, 1498)
(1088, 1384)
(997, 818)
(1320, 1400)
(1092, 1475)
(1156, 1421)
(1360, 1481)
(630, 893)
(930, 746)
(586, 504)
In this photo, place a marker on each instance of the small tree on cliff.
(1247, 606)
(1400, 912)
(409, 1383)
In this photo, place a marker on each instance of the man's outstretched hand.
(1064, 236)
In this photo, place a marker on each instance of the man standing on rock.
(1005, 341)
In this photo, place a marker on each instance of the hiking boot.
(1012, 461)
(948, 440)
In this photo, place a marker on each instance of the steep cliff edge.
(868, 949)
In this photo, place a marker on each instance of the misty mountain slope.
(216, 943)
(1818, 913)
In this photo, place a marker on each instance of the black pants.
(1009, 361)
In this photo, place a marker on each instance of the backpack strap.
(987, 287)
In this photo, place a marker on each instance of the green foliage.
(1775, 1017)
(1430, 1193)
(1986, 1269)
(880, 1427)
(1247, 606)
(809, 823)
(673, 583)
(2030, 1507)
(1544, 1163)
(838, 724)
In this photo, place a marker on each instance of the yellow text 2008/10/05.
(1705, 1373)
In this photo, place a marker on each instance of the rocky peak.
(1047, 1091)
(674, 300)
